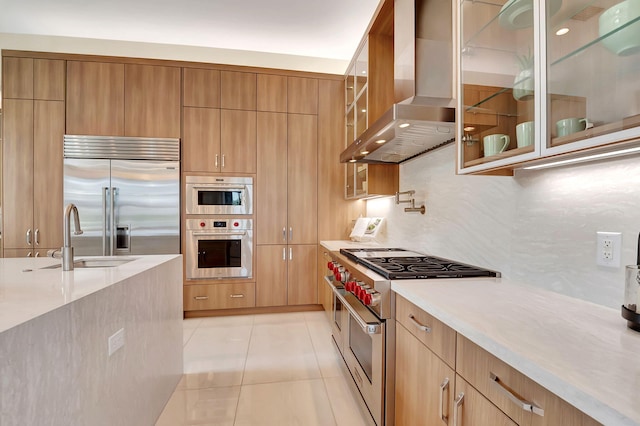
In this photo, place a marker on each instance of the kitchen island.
(55, 330)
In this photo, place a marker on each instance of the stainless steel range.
(362, 324)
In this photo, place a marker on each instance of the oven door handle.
(218, 234)
(366, 327)
(219, 187)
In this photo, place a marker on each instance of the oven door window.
(219, 253)
(220, 197)
(361, 345)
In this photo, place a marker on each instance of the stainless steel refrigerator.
(127, 191)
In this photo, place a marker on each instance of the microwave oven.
(218, 195)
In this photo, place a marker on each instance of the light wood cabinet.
(219, 140)
(282, 276)
(238, 90)
(474, 409)
(286, 212)
(424, 384)
(302, 178)
(110, 99)
(272, 93)
(302, 95)
(95, 98)
(17, 78)
(48, 79)
(32, 175)
(238, 141)
(202, 297)
(152, 101)
(201, 88)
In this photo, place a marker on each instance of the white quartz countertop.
(582, 352)
(336, 245)
(28, 291)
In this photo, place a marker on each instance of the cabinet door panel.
(95, 98)
(152, 101)
(302, 95)
(201, 143)
(417, 368)
(17, 78)
(271, 275)
(478, 410)
(271, 182)
(301, 287)
(219, 296)
(17, 172)
(48, 81)
(302, 182)
(201, 88)
(238, 141)
(238, 90)
(48, 133)
(272, 93)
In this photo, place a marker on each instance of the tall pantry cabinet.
(34, 120)
(286, 191)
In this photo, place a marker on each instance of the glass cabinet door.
(592, 73)
(498, 94)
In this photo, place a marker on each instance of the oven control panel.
(364, 292)
(218, 224)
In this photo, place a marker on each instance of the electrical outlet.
(116, 341)
(608, 249)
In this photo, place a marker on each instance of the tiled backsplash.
(538, 227)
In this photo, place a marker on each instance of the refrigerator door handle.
(104, 220)
(112, 221)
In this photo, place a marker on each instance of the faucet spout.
(67, 249)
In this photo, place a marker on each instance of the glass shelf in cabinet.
(501, 14)
(506, 154)
(594, 42)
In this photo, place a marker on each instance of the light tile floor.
(269, 369)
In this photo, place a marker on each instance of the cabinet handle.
(201, 297)
(290, 234)
(37, 236)
(525, 405)
(444, 412)
(457, 407)
(216, 161)
(284, 253)
(29, 236)
(290, 253)
(284, 234)
(37, 254)
(237, 296)
(223, 161)
(421, 327)
(29, 254)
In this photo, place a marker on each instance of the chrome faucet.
(67, 249)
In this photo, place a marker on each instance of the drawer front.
(494, 379)
(219, 296)
(471, 408)
(433, 333)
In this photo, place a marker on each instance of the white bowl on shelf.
(625, 41)
(518, 14)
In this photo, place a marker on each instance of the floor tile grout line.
(244, 367)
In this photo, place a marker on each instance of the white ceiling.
(328, 29)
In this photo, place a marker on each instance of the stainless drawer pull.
(29, 236)
(237, 296)
(424, 328)
(201, 297)
(525, 405)
(444, 387)
(457, 407)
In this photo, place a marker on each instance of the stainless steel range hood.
(423, 117)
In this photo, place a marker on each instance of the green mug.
(495, 144)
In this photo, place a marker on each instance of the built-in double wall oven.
(219, 239)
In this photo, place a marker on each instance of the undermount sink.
(94, 263)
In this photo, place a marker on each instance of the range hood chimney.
(423, 117)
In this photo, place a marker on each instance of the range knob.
(375, 299)
(332, 265)
(349, 285)
(361, 291)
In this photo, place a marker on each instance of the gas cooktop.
(401, 264)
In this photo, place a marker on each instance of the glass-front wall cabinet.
(583, 55)
(357, 120)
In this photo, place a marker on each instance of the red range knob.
(349, 285)
(367, 299)
(330, 265)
